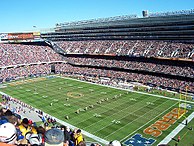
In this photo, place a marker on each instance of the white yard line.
(147, 123)
(127, 123)
(134, 120)
(173, 133)
(128, 90)
(135, 92)
(130, 107)
(98, 139)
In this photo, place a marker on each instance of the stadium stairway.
(58, 50)
(55, 47)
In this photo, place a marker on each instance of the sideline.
(97, 139)
(173, 133)
(175, 99)
(148, 122)
(100, 139)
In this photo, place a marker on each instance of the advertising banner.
(20, 36)
(3, 36)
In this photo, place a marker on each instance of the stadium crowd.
(22, 131)
(8, 74)
(14, 54)
(15, 130)
(26, 55)
(131, 48)
(136, 65)
(127, 76)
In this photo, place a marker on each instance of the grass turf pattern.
(116, 114)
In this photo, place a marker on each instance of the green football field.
(105, 112)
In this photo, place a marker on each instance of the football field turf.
(106, 112)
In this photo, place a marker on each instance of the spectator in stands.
(67, 136)
(136, 65)
(8, 133)
(136, 48)
(82, 143)
(54, 137)
(78, 137)
(27, 54)
(114, 143)
(34, 139)
(118, 75)
(25, 127)
(41, 132)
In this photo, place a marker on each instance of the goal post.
(182, 103)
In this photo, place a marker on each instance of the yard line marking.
(98, 139)
(173, 133)
(128, 90)
(115, 113)
(109, 109)
(136, 119)
(95, 109)
(121, 118)
(148, 122)
(133, 91)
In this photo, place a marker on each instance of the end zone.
(173, 133)
(139, 140)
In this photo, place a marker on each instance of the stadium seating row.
(15, 130)
(131, 48)
(12, 54)
(127, 76)
(185, 71)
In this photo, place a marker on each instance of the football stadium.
(123, 80)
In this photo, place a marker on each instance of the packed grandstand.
(156, 51)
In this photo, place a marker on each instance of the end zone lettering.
(163, 124)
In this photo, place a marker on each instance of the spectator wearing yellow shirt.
(25, 127)
(78, 137)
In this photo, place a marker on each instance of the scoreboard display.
(15, 37)
(20, 36)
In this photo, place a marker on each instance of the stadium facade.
(156, 50)
(166, 27)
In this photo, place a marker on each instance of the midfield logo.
(138, 140)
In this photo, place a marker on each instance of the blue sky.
(22, 15)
